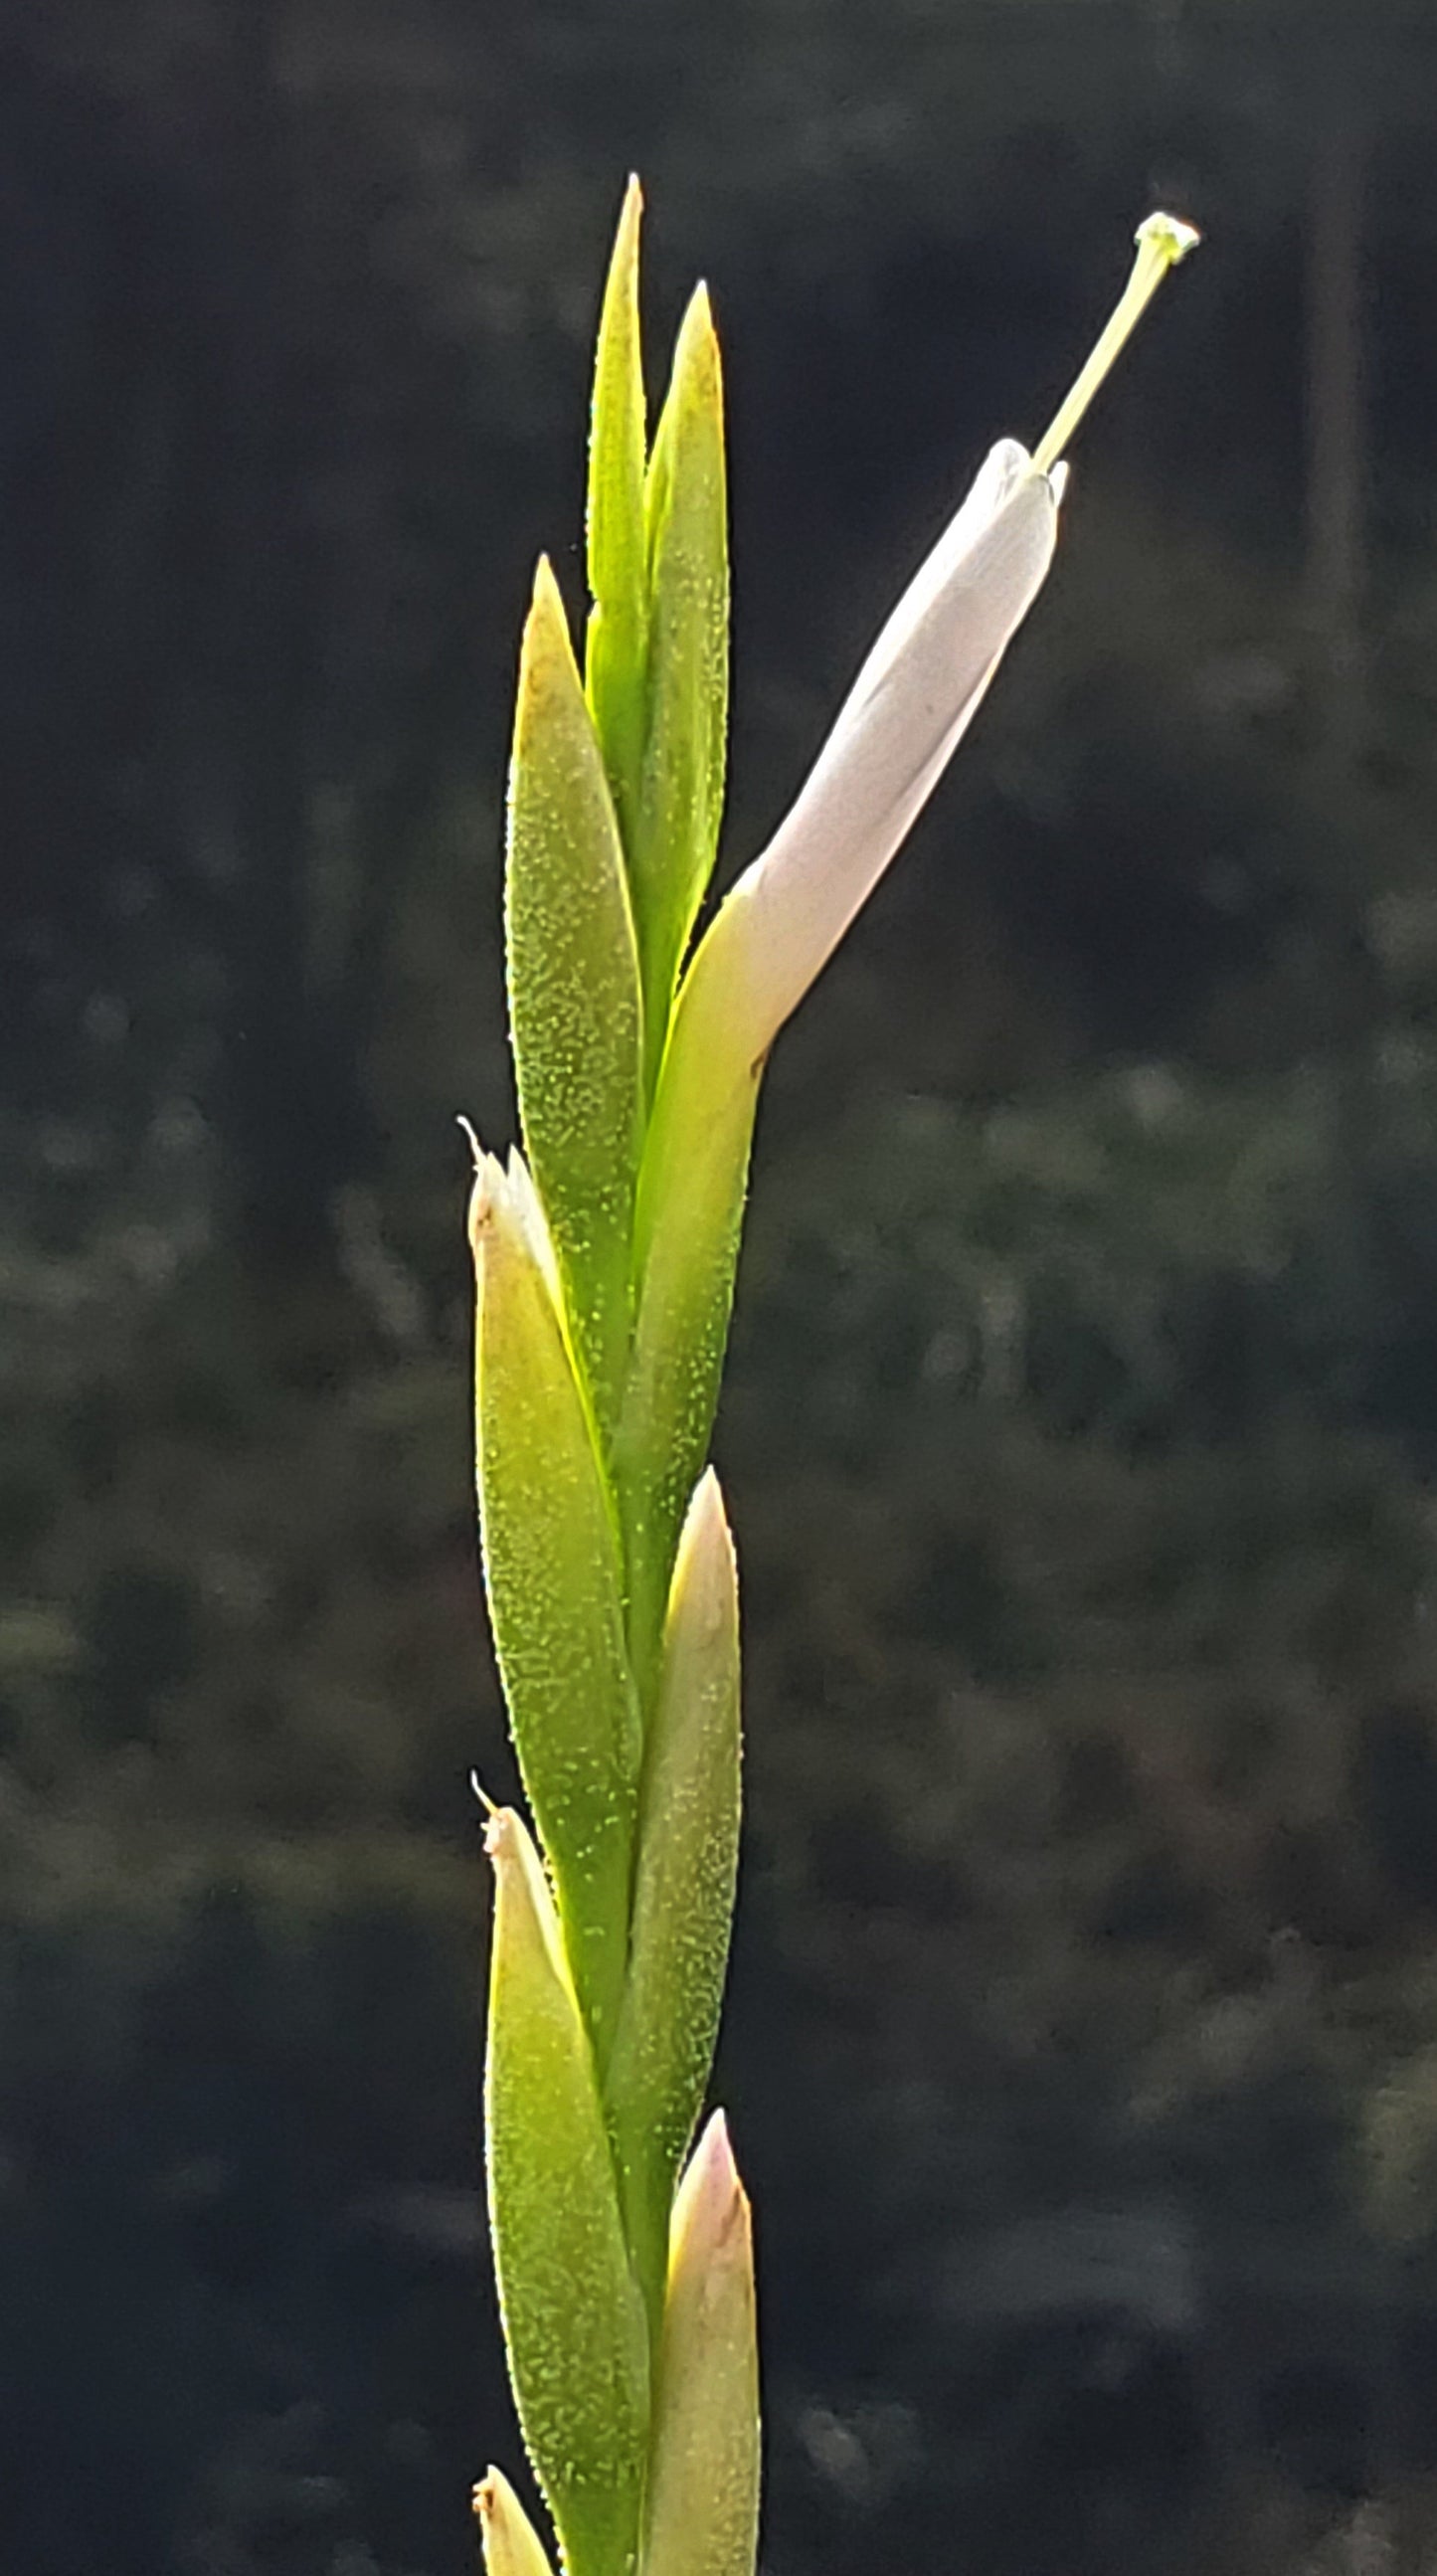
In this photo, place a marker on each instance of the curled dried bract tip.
(481, 1199)
(511, 2545)
(504, 1211)
(510, 1845)
(479, 1193)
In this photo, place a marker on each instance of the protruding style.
(1162, 241)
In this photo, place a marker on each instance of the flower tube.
(899, 726)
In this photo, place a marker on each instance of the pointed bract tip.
(711, 2201)
(621, 286)
(546, 595)
(1168, 234)
(698, 338)
(715, 2142)
(706, 1521)
(705, 1577)
(482, 1794)
(546, 655)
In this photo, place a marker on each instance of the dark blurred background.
(1082, 1421)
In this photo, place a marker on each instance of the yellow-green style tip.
(1169, 236)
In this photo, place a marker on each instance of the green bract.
(681, 796)
(701, 2516)
(574, 1000)
(683, 1889)
(551, 1558)
(616, 652)
(573, 2317)
(605, 1266)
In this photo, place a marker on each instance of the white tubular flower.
(898, 728)
(903, 719)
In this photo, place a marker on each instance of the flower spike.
(604, 1261)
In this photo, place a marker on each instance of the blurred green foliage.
(1084, 1408)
